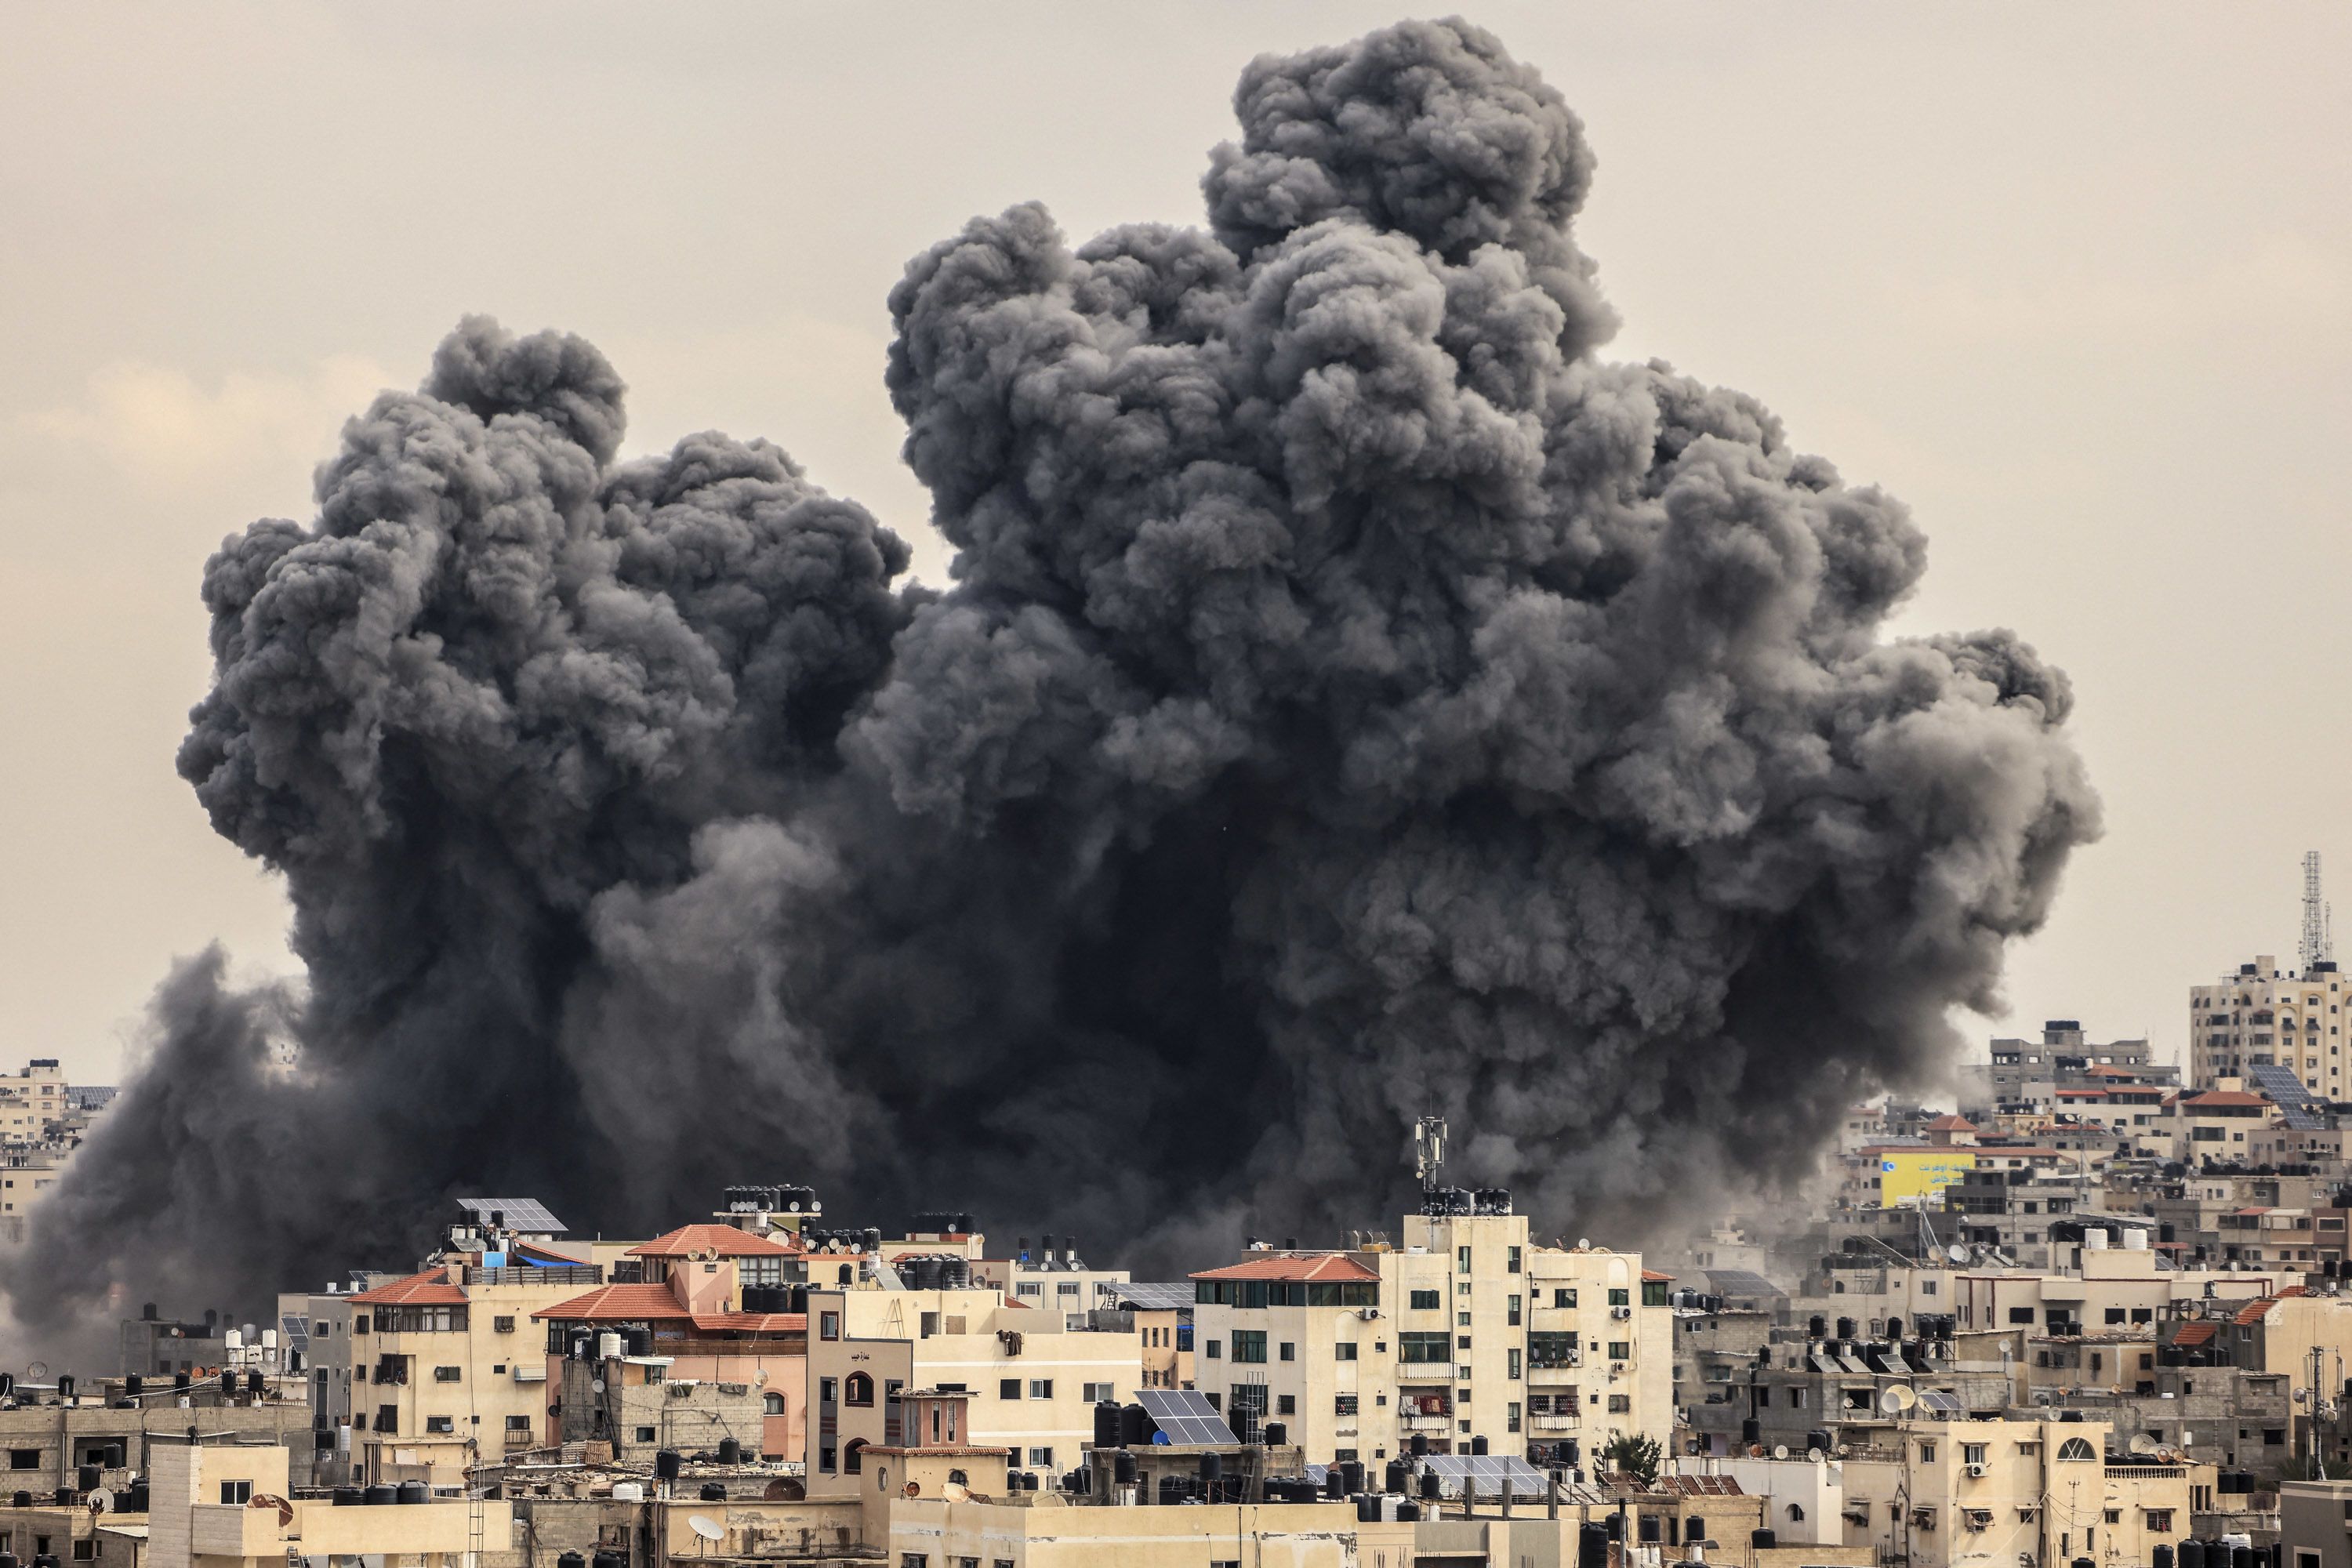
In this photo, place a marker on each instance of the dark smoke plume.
(1356, 700)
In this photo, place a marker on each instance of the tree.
(1633, 1454)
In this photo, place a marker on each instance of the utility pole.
(2318, 944)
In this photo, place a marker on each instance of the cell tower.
(2318, 945)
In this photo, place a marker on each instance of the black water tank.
(349, 1497)
(2162, 1556)
(730, 1451)
(670, 1464)
(1351, 1471)
(114, 1456)
(798, 1298)
(1135, 1425)
(1399, 1478)
(1123, 1468)
(86, 1477)
(1845, 1328)
(1817, 1328)
(67, 1497)
(1275, 1434)
(1335, 1485)
(22, 1500)
(1419, 1445)
(135, 1501)
(1478, 1446)
(2192, 1553)
(135, 1385)
(1894, 1328)
(256, 1384)
(2085, 1562)
(45, 1560)
(572, 1559)
(1762, 1541)
(1367, 1508)
(1751, 1430)
(1592, 1545)
(1107, 1424)
(1430, 1491)
(1408, 1512)
(414, 1492)
(641, 1341)
(713, 1492)
(1028, 1480)
(1211, 1467)
(228, 1384)
(2242, 1557)
(377, 1496)
(611, 1560)
(179, 1383)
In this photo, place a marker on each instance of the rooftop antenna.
(2318, 944)
(1428, 1150)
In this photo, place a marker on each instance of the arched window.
(2075, 1449)
(1795, 1514)
(857, 1389)
(959, 1477)
(853, 1458)
(774, 1404)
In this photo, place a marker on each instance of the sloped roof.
(429, 1288)
(1321, 1268)
(2228, 1097)
(1652, 1277)
(2194, 1334)
(725, 1240)
(2254, 1311)
(1951, 1124)
(616, 1304)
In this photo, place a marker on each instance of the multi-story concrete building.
(1160, 1314)
(1946, 1492)
(1035, 1379)
(2263, 1014)
(2039, 1077)
(43, 1119)
(1475, 1335)
(217, 1505)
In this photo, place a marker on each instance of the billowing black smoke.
(1356, 700)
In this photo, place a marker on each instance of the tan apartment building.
(1161, 1316)
(2262, 1014)
(230, 1506)
(1033, 1379)
(1474, 1333)
(1940, 1493)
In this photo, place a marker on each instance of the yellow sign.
(1908, 1174)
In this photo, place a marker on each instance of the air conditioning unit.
(1621, 1313)
(1975, 1472)
(1369, 1314)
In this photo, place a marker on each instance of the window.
(1009, 1388)
(1972, 1453)
(502, 1323)
(914, 1560)
(1653, 1293)
(1511, 1311)
(1419, 1348)
(1563, 1296)
(1621, 1298)
(1621, 1350)
(858, 1389)
(1287, 1351)
(772, 1404)
(1620, 1403)
(1462, 1319)
(1212, 1349)
(2160, 1520)
(387, 1418)
(24, 1459)
(1041, 1388)
(2072, 1448)
(828, 1325)
(1552, 1348)
(2021, 1314)
(853, 1458)
(440, 1423)
(235, 1492)
(1511, 1260)
(445, 1374)
(1287, 1405)
(1462, 1342)
(518, 1423)
(827, 1462)
(646, 1435)
(1041, 1458)
(1926, 1453)
(1095, 1393)
(1513, 1356)
(827, 1390)
(1249, 1347)
(1427, 1300)
(1344, 1351)
(1462, 1261)
(360, 1324)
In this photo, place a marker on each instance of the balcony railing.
(588, 1274)
(1556, 1423)
(1425, 1423)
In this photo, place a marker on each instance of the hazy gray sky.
(2076, 281)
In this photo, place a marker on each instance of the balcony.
(585, 1275)
(1557, 1423)
(1552, 1376)
(1425, 1423)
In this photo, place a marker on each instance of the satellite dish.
(1583, 1244)
(37, 1371)
(1957, 1253)
(102, 1502)
(1813, 1456)
(705, 1527)
(2143, 1445)
(1896, 1398)
(956, 1491)
(1779, 1450)
(597, 1383)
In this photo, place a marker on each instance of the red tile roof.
(1652, 1277)
(1951, 1124)
(617, 1304)
(2228, 1097)
(2254, 1311)
(1319, 1267)
(724, 1241)
(2194, 1334)
(430, 1289)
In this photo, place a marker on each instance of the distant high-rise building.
(2263, 1014)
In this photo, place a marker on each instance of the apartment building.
(2263, 1014)
(1160, 1314)
(2038, 1077)
(2216, 1126)
(220, 1505)
(1463, 1335)
(1939, 1493)
(1033, 1378)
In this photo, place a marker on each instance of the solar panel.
(296, 1331)
(1484, 1473)
(528, 1215)
(2303, 1110)
(1185, 1416)
(1740, 1282)
(1936, 1399)
(1153, 1298)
